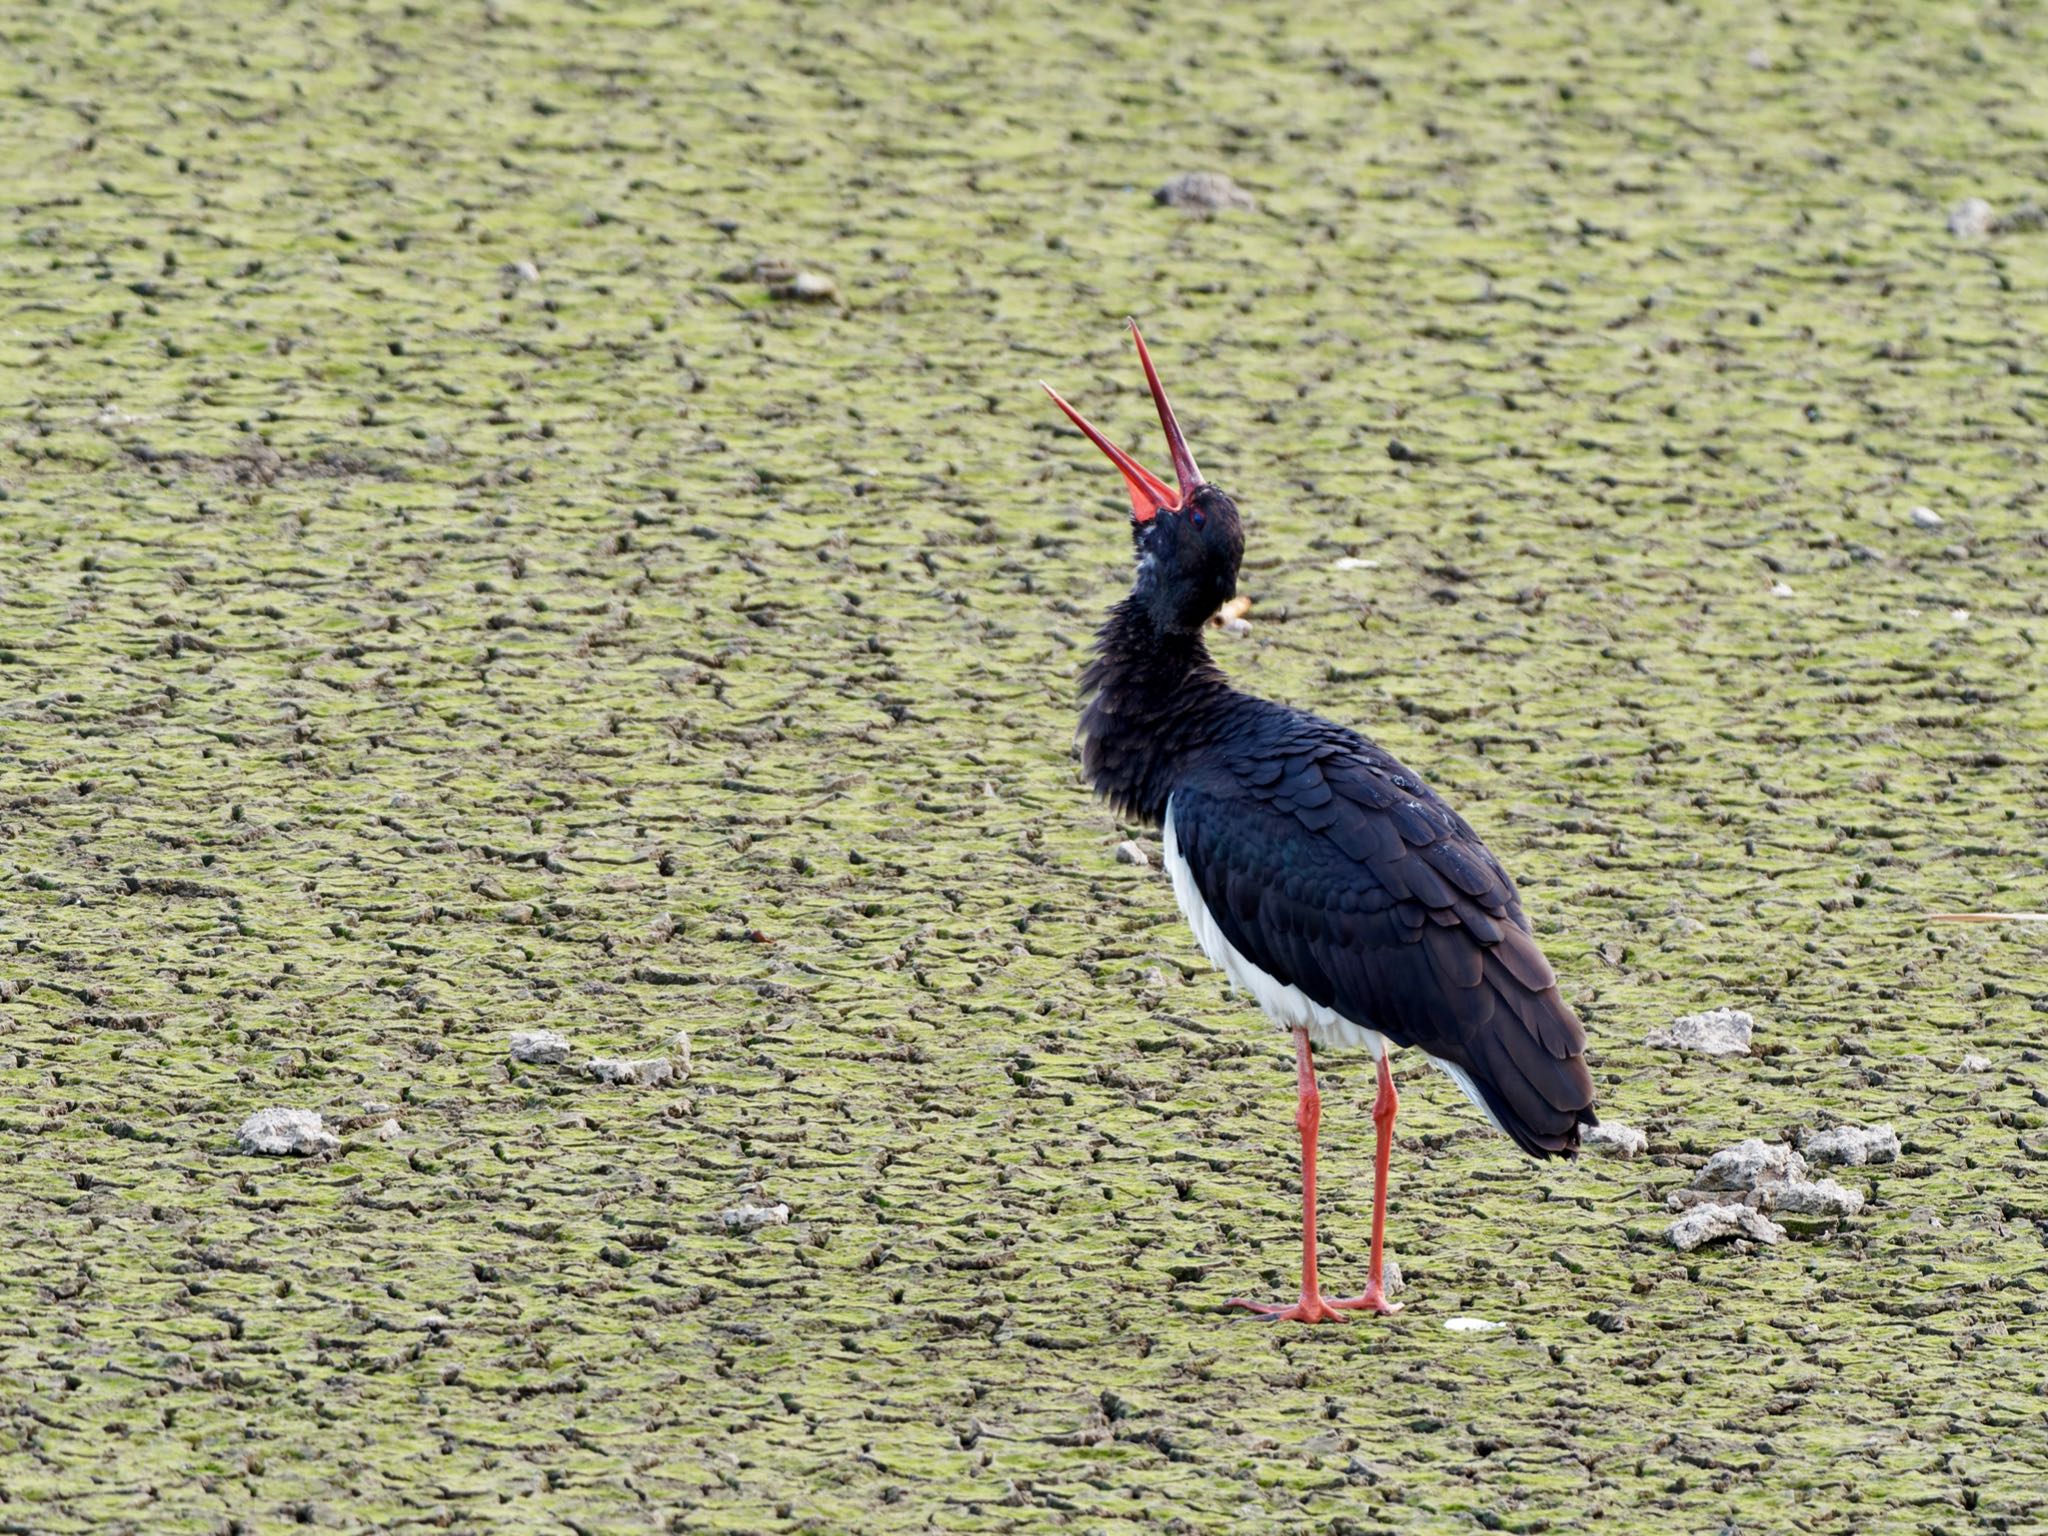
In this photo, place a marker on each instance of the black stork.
(1321, 875)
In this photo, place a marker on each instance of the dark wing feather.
(1336, 870)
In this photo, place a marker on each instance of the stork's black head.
(1189, 540)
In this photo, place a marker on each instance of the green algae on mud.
(403, 646)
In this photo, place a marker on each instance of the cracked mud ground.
(443, 591)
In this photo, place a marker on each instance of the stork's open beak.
(1149, 494)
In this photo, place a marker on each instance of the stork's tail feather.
(1544, 1133)
(1539, 1098)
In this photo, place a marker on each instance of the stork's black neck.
(1153, 698)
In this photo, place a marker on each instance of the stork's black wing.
(1336, 870)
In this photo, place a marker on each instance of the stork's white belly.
(1288, 1006)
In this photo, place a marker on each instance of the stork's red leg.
(1383, 1109)
(1308, 1115)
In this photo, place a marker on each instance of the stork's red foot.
(1374, 1300)
(1312, 1308)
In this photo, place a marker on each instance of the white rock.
(1354, 563)
(541, 1046)
(286, 1133)
(520, 272)
(1926, 517)
(1711, 1223)
(1615, 1139)
(389, 1130)
(1971, 218)
(1471, 1325)
(646, 1072)
(808, 288)
(749, 1217)
(1751, 1165)
(1818, 1197)
(1392, 1281)
(1758, 58)
(1210, 190)
(1237, 626)
(1853, 1146)
(1974, 1064)
(1128, 852)
(1781, 589)
(1685, 1199)
(1717, 1032)
(679, 1051)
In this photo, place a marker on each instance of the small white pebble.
(1471, 1325)
(1711, 1223)
(749, 1217)
(1354, 563)
(1926, 517)
(1974, 1064)
(1237, 626)
(1128, 852)
(1758, 58)
(1853, 1145)
(1210, 190)
(1816, 1197)
(646, 1072)
(286, 1133)
(1717, 1032)
(1751, 1164)
(1959, 615)
(541, 1046)
(389, 1130)
(1972, 217)
(1781, 589)
(813, 288)
(1615, 1139)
